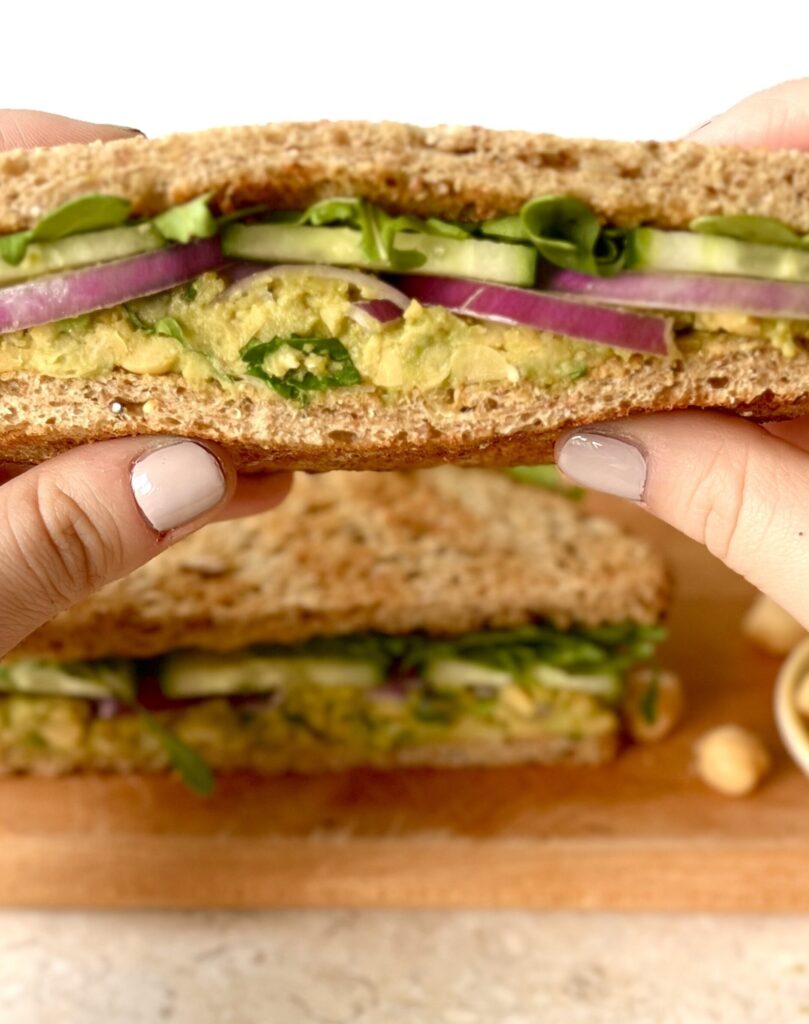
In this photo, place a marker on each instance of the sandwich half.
(377, 296)
(439, 617)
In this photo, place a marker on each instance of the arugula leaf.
(247, 211)
(192, 768)
(14, 247)
(74, 323)
(510, 229)
(605, 649)
(296, 382)
(166, 325)
(190, 291)
(649, 702)
(169, 327)
(446, 228)
(548, 477)
(189, 220)
(749, 228)
(568, 234)
(437, 707)
(347, 211)
(379, 229)
(87, 213)
(136, 320)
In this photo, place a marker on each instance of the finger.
(95, 514)
(794, 432)
(722, 480)
(777, 118)
(24, 129)
(9, 470)
(254, 494)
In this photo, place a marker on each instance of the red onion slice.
(372, 285)
(694, 293)
(374, 313)
(58, 296)
(636, 331)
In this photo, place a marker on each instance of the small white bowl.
(792, 725)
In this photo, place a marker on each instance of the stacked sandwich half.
(442, 617)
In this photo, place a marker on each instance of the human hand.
(96, 513)
(740, 488)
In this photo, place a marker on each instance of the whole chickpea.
(653, 703)
(731, 760)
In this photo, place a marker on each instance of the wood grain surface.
(640, 834)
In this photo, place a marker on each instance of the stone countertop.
(408, 967)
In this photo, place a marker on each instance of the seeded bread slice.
(444, 551)
(455, 172)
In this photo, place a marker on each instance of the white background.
(609, 68)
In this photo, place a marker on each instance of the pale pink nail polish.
(176, 483)
(604, 463)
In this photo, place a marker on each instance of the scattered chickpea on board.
(732, 760)
(653, 704)
(770, 628)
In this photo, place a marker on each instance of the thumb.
(22, 129)
(93, 515)
(776, 118)
(722, 480)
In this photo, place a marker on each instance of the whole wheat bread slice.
(443, 551)
(455, 172)
(466, 173)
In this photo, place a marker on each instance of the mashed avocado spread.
(201, 333)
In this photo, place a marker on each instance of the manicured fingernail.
(604, 463)
(129, 131)
(699, 128)
(176, 483)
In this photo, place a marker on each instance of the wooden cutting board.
(640, 834)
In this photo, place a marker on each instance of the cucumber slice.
(599, 685)
(454, 672)
(93, 681)
(501, 262)
(295, 243)
(690, 252)
(82, 251)
(204, 674)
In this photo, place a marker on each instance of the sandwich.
(376, 296)
(439, 617)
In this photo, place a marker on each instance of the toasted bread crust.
(446, 551)
(358, 428)
(464, 173)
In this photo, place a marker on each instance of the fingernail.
(176, 483)
(604, 463)
(129, 131)
(699, 128)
